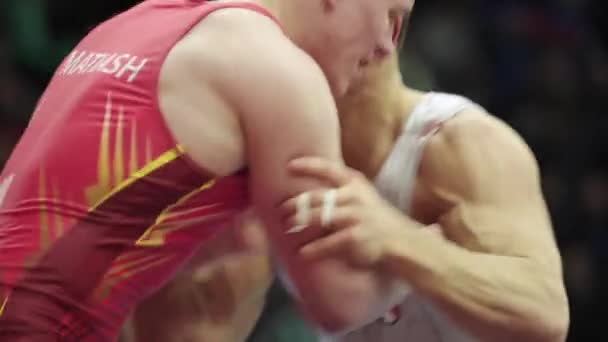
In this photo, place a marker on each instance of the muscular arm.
(301, 120)
(500, 275)
(285, 110)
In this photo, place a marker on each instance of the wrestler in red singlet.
(98, 202)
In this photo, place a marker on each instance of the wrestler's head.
(379, 82)
(345, 36)
(370, 111)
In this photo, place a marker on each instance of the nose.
(384, 48)
(382, 52)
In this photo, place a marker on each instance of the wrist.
(398, 246)
(415, 257)
(397, 258)
(395, 251)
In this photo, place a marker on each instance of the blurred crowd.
(541, 65)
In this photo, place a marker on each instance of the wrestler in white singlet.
(416, 319)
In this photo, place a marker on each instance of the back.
(98, 204)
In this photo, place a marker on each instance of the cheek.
(367, 31)
(349, 40)
(375, 28)
(353, 37)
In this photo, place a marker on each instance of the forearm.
(338, 296)
(496, 298)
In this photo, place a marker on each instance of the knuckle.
(345, 193)
(328, 168)
(357, 175)
(349, 213)
(285, 206)
(357, 235)
(316, 199)
(356, 197)
(352, 236)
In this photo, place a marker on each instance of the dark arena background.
(541, 65)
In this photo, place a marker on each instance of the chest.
(399, 181)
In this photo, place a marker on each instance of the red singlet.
(98, 204)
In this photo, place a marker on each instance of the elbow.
(554, 327)
(550, 315)
(355, 308)
(333, 323)
(341, 311)
(549, 325)
(338, 321)
(556, 324)
(546, 327)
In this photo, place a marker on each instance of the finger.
(330, 245)
(341, 218)
(328, 207)
(301, 215)
(331, 172)
(316, 199)
(435, 229)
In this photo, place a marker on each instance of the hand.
(363, 225)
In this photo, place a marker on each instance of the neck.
(283, 14)
(371, 121)
(273, 6)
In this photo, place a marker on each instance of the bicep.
(292, 114)
(492, 189)
(302, 122)
(285, 111)
(307, 126)
(269, 154)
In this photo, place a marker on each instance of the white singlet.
(416, 319)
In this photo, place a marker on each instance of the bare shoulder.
(208, 79)
(215, 43)
(237, 48)
(477, 155)
(485, 181)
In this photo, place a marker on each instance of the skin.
(495, 269)
(205, 95)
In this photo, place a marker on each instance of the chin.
(339, 88)
(356, 84)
